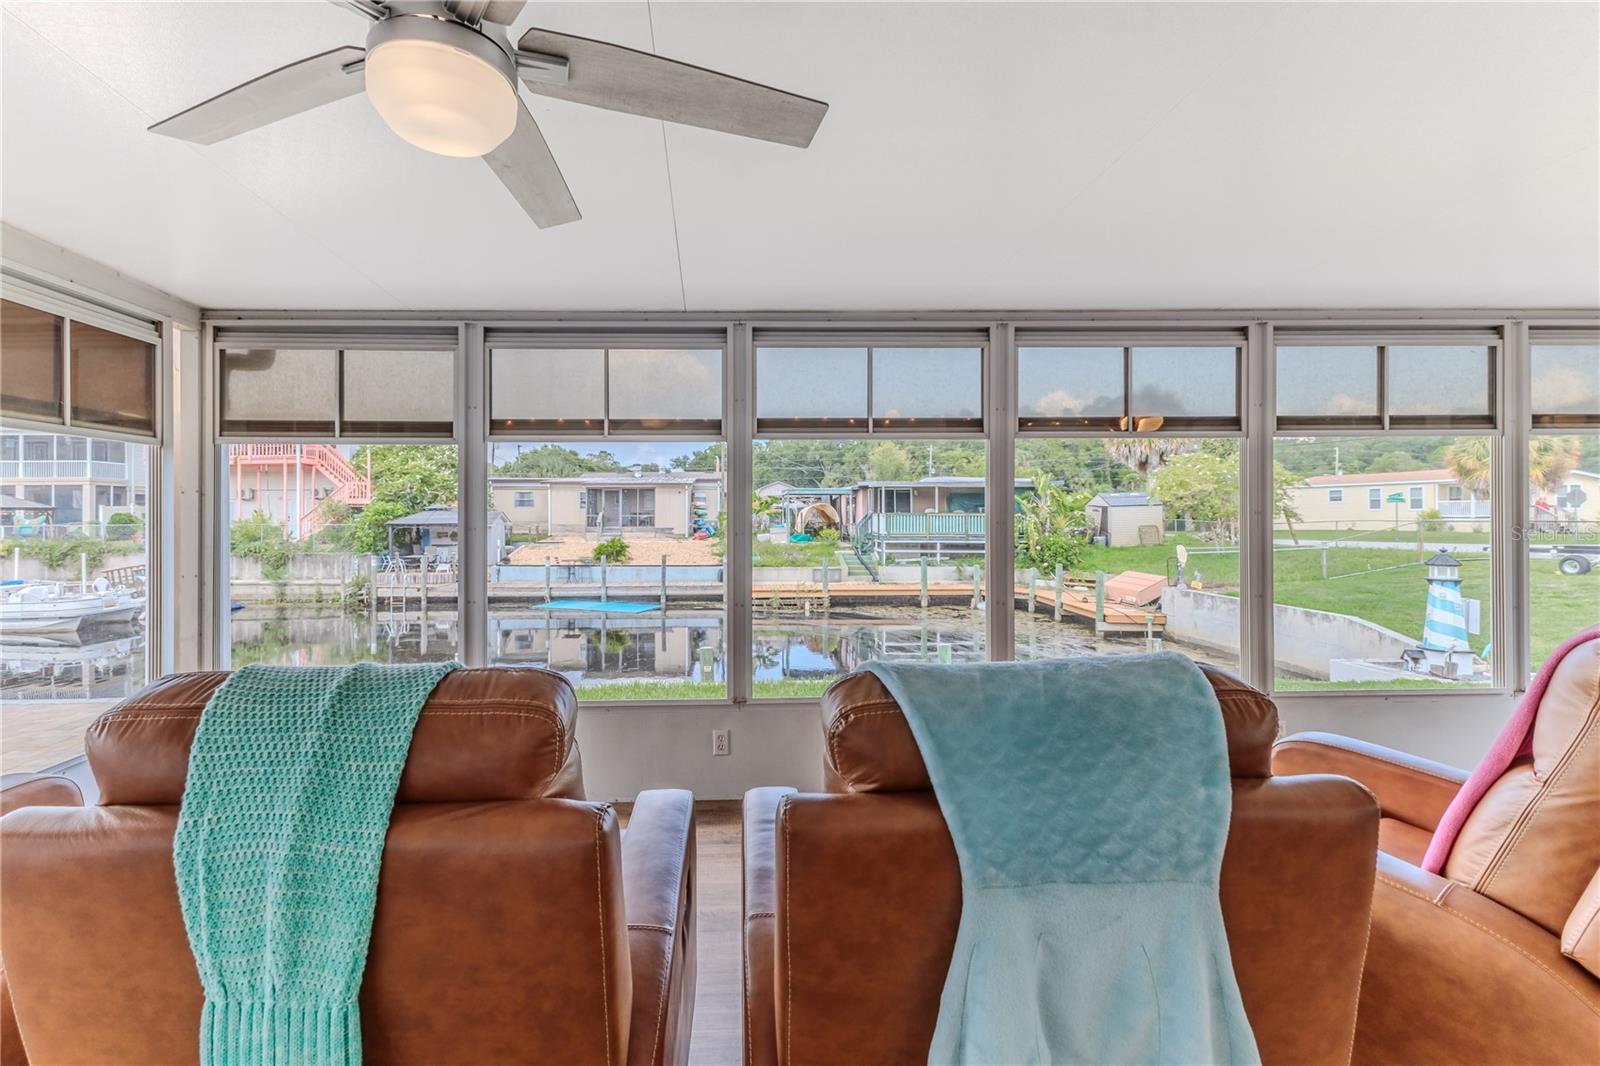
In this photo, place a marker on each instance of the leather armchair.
(515, 921)
(852, 896)
(1496, 960)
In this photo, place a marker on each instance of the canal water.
(655, 649)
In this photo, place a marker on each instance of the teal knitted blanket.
(292, 778)
(1088, 799)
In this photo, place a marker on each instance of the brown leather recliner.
(515, 922)
(1497, 961)
(852, 897)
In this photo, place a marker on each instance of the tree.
(1146, 455)
(1468, 460)
(405, 479)
(1390, 461)
(1201, 487)
(552, 460)
(1550, 460)
(1050, 527)
(702, 459)
(888, 461)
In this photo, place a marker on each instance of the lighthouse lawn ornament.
(1444, 629)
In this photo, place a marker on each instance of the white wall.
(626, 750)
(1455, 729)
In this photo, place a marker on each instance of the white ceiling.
(975, 156)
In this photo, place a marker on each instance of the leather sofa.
(515, 922)
(1498, 960)
(852, 896)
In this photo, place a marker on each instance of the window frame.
(74, 304)
(337, 343)
(534, 430)
(870, 424)
(1383, 421)
(1507, 333)
(1131, 423)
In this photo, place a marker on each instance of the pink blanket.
(1514, 742)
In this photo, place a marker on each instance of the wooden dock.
(1078, 602)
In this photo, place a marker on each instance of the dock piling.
(1033, 589)
(663, 582)
(1058, 592)
(924, 561)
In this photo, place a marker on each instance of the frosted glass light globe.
(440, 98)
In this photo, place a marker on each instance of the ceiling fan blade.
(472, 12)
(638, 83)
(526, 167)
(370, 9)
(289, 90)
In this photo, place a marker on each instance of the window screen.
(1328, 384)
(1439, 385)
(660, 388)
(1143, 388)
(597, 391)
(279, 390)
(1566, 384)
(407, 393)
(927, 388)
(548, 388)
(113, 380)
(1070, 387)
(811, 387)
(1184, 387)
(30, 387)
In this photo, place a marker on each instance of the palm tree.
(1468, 460)
(1550, 460)
(1145, 455)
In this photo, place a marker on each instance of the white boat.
(45, 607)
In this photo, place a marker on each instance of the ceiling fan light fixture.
(440, 85)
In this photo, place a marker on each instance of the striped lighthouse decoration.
(1444, 628)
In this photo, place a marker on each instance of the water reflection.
(589, 648)
(99, 662)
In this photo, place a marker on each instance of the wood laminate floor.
(718, 1037)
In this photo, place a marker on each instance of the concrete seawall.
(1303, 640)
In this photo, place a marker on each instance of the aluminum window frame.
(817, 428)
(1558, 421)
(82, 305)
(337, 342)
(1260, 429)
(528, 430)
(1128, 423)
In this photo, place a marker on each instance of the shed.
(435, 532)
(1126, 519)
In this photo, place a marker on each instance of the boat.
(46, 608)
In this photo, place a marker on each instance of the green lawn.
(807, 553)
(1408, 534)
(1394, 599)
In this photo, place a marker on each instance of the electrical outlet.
(720, 742)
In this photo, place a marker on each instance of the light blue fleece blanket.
(1088, 799)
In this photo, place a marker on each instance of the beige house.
(674, 502)
(1363, 501)
(1577, 501)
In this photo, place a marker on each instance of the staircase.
(349, 487)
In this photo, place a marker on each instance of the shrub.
(1053, 549)
(828, 535)
(614, 550)
(124, 526)
(62, 553)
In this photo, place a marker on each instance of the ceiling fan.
(443, 76)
